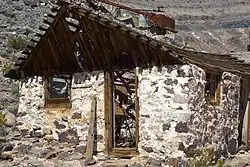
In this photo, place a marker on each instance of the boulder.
(66, 156)
(10, 118)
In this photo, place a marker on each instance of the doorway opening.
(121, 113)
(244, 114)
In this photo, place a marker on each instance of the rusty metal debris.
(157, 19)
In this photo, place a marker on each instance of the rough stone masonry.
(173, 116)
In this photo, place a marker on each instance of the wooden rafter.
(125, 84)
(110, 46)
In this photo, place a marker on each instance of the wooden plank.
(54, 54)
(101, 42)
(84, 51)
(124, 82)
(46, 21)
(248, 126)
(95, 42)
(51, 15)
(42, 28)
(62, 10)
(61, 53)
(87, 47)
(34, 40)
(218, 90)
(90, 140)
(137, 108)
(124, 152)
(107, 106)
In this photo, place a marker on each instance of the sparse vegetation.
(15, 91)
(16, 42)
(221, 163)
(205, 158)
(6, 67)
(2, 119)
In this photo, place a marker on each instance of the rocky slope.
(204, 25)
(19, 21)
(196, 15)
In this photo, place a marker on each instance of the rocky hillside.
(205, 25)
(193, 15)
(19, 20)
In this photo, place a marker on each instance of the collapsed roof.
(78, 38)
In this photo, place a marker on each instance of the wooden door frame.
(108, 115)
(248, 125)
(245, 132)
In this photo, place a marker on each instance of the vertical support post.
(108, 111)
(136, 109)
(248, 125)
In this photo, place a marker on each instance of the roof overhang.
(77, 39)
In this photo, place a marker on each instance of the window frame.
(216, 99)
(57, 102)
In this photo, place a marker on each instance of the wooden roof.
(78, 39)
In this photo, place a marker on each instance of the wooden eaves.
(99, 42)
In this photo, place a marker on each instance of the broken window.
(58, 91)
(212, 88)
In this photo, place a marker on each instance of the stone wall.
(163, 100)
(30, 114)
(82, 95)
(174, 116)
(62, 124)
(214, 125)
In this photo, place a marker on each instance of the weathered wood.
(30, 47)
(69, 44)
(26, 52)
(34, 40)
(42, 28)
(72, 24)
(21, 58)
(248, 126)
(113, 47)
(39, 35)
(99, 49)
(55, 9)
(54, 53)
(51, 15)
(124, 83)
(90, 140)
(108, 112)
(124, 152)
(46, 21)
(137, 108)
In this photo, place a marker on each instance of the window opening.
(212, 88)
(58, 91)
(59, 87)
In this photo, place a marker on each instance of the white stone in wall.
(81, 96)
(32, 112)
(173, 110)
(31, 104)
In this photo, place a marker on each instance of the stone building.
(139, 94)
